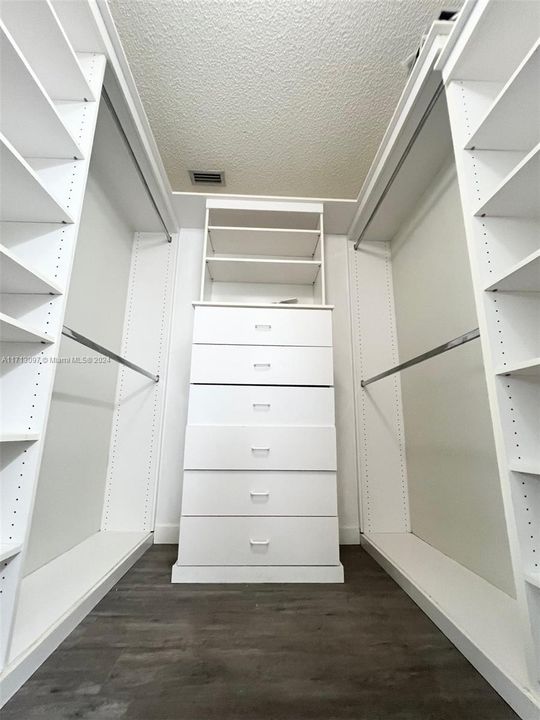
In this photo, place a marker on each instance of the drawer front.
(258, 541)
(260, 405)
(206, 492)
(262, 326)
(211, 447)
(250, 365)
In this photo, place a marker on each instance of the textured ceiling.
(288, 97)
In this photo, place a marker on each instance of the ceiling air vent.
(206, 177)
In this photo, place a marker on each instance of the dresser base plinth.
(257, 574)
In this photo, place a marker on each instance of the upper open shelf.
(29, 118)
(23, 196)
(249, 270)
(41, 39)
(12, 330)
(525, 367)
(19, 437)
(9, 550)
(280, 242)
(16, 276)
(527, 467)
(524, 276)
(513, 120)
(518, 195)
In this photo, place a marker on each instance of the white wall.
(454, 492)
(172, 454)
(71, 484)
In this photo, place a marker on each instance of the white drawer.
(262, 326)
(211, 447)
(260, 405)
(258, 541)
(252, 365)
(207, 492)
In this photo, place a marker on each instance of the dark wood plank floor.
(155, 651)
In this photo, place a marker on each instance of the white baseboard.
(349, 535)
(166, 534)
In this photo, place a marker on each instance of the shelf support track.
(73, 335)
(118, 124)
(402, 159)
(450, 345)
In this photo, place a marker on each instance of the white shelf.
(521, 277)
(18, 437)
(524, 466)
(24, 197)
(17, 276)
(513, 120)
(44, 44)
(12, 330)
(29, 118)
(533, 579)
(9, 550)
(526, 367)
(247, 270)
(518, 195)
(50, 594)
(263, 241)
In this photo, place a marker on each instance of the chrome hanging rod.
(68, 332)
(450, 345)
(402, 159)
(134, 158)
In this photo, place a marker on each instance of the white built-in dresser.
(259, 499)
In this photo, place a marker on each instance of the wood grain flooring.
(155, 651)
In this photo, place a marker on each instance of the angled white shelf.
(24, 197)
(16, 276)
(533, 579)
(263, 241)
(9, 550)
(525, 466)
(29, 118)
(12, 330)
(48, 51)
(248, 270)
(518, 195)
(18, 437)
(526, 367)
(513, 120)
(521, 277)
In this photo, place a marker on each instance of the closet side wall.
(71, 484)
(455, 496)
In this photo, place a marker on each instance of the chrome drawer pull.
(262, 405)
(254, 493)
(263, 327)
(260, 449)
(259, 542)
(262, 365)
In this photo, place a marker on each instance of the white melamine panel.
(37, 31)
(260, 405)
(523, 276)
(262, 326)
(263, 270)
(518, 195)
(261, 365)
(16, 276)
(29, 118)
(210, 447)
(233, 492)
(512, 122)
(258, 541)
(275, 242)
(11, 330)
(25, 196)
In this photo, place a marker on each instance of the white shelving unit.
(16, 276)
(13, 331)
(492, 87)
(246, 248)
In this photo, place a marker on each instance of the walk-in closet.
(270, 375)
